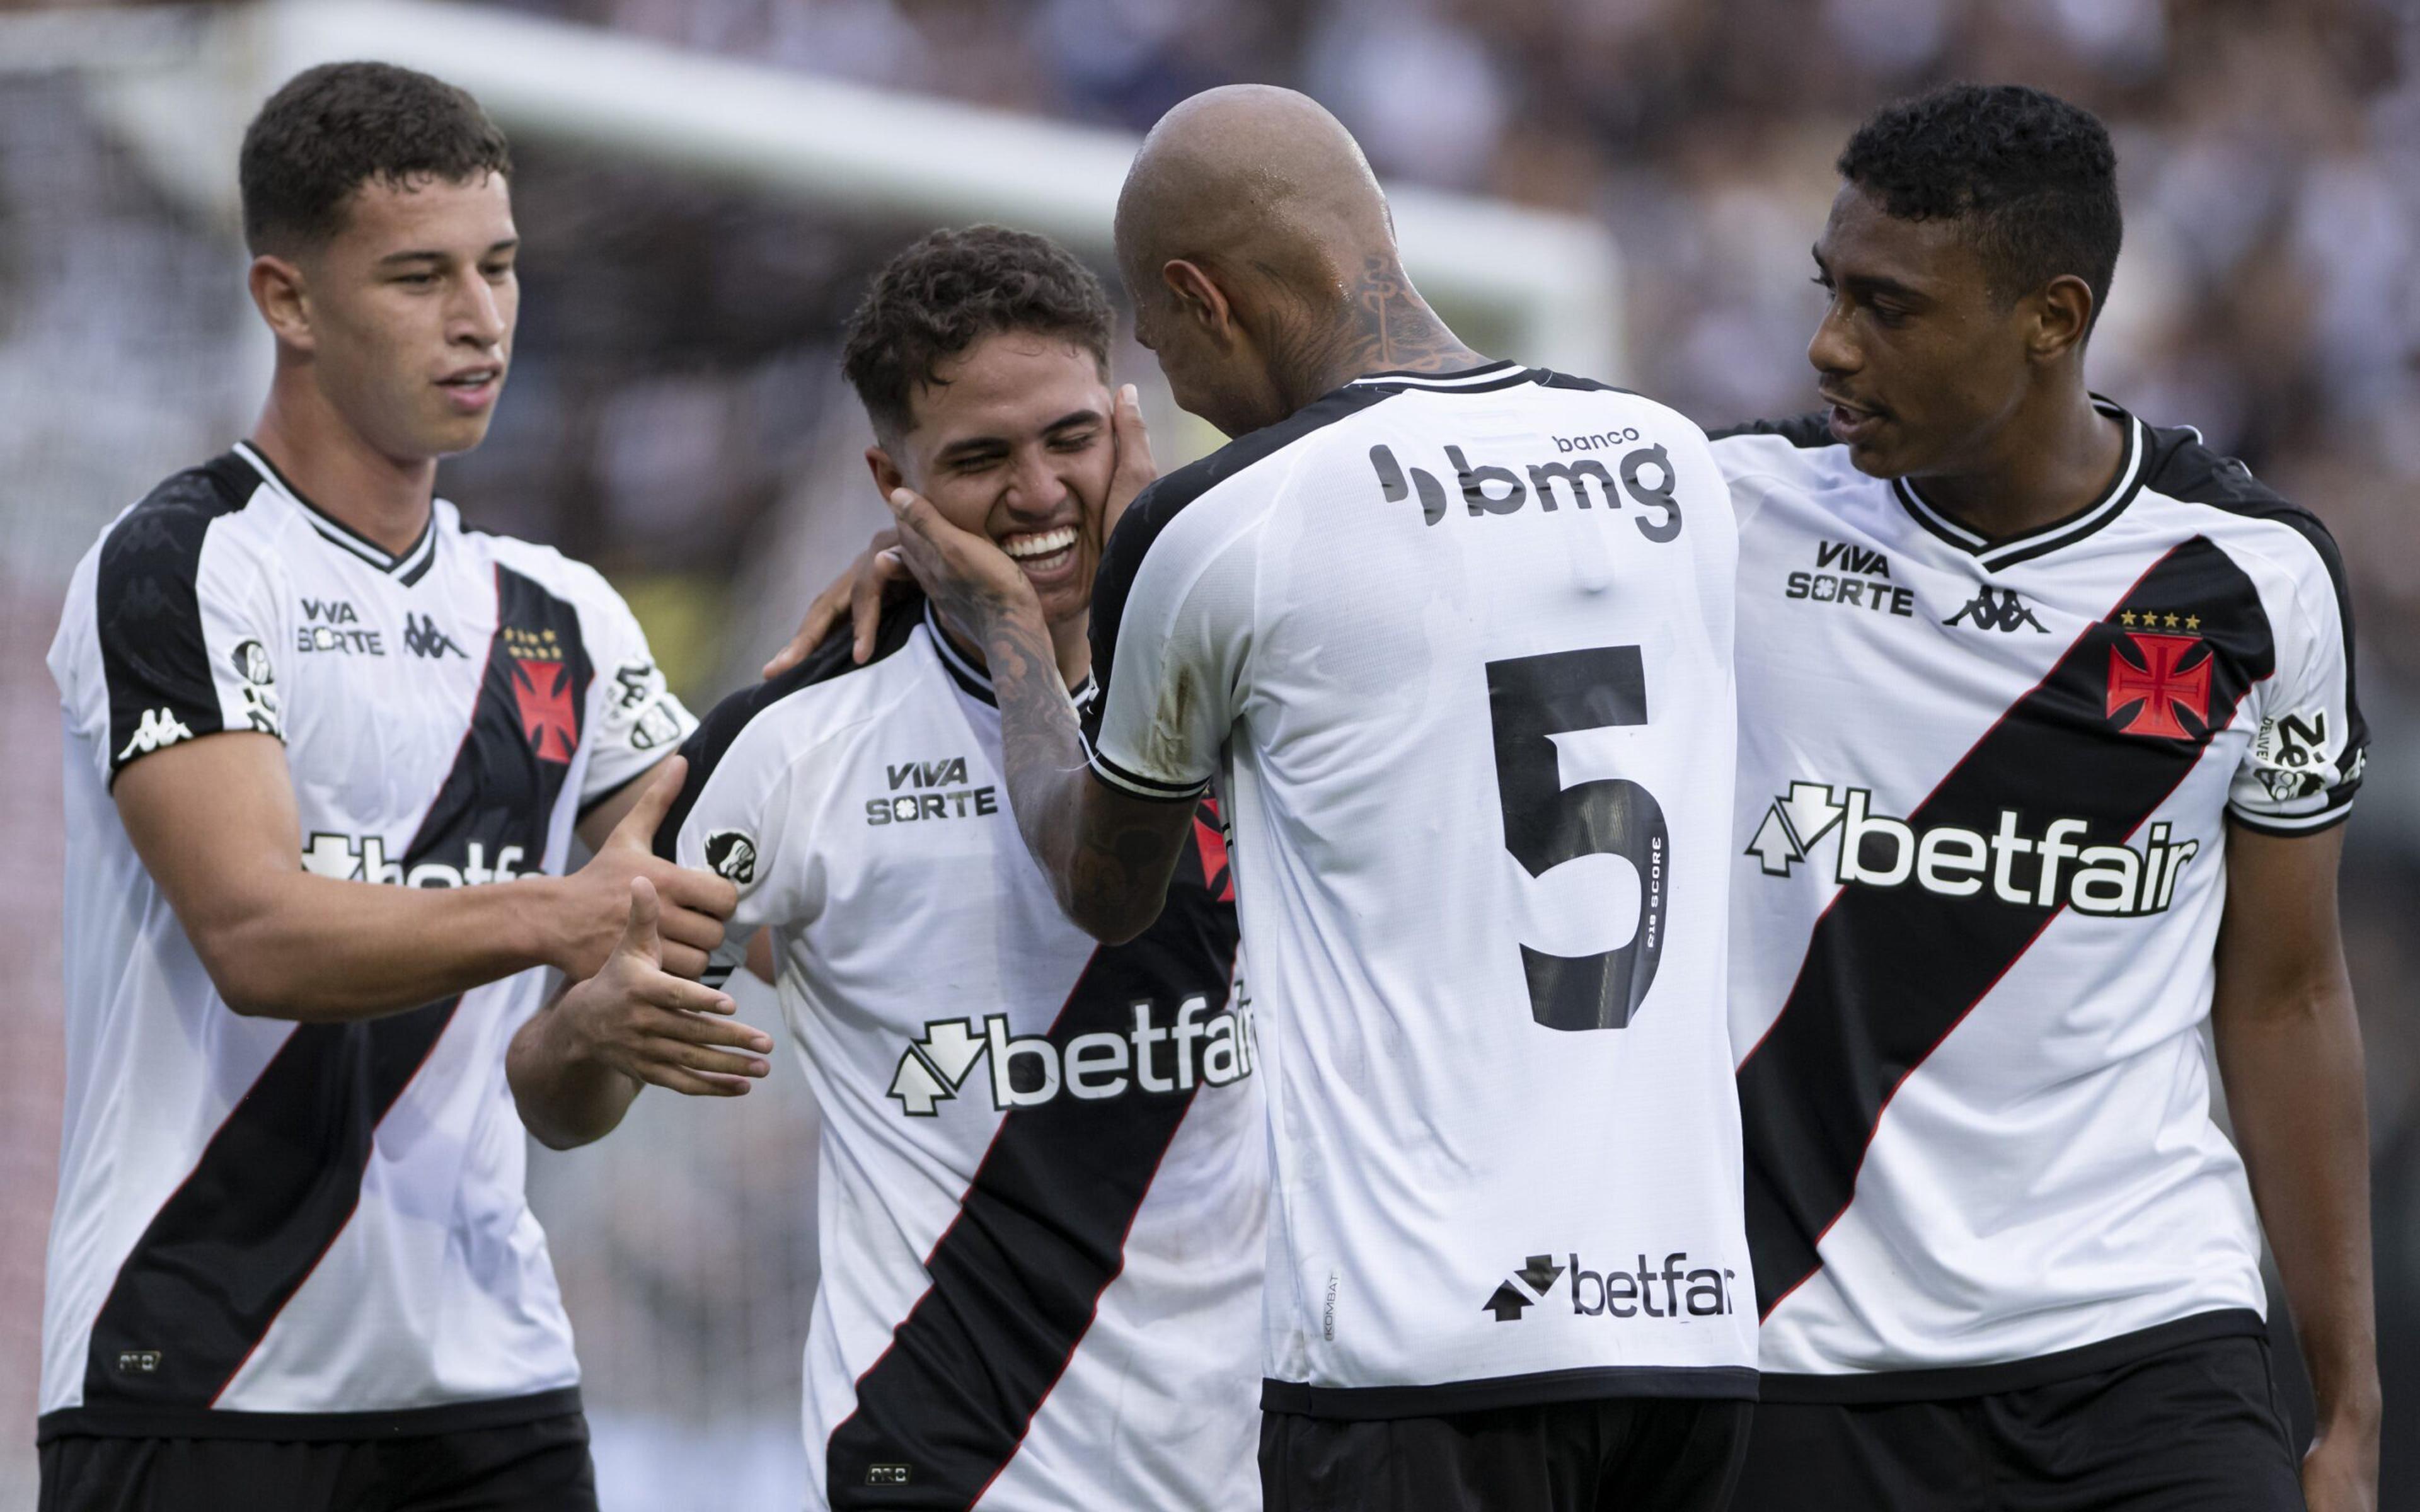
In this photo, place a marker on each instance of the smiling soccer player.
(1042, 1175)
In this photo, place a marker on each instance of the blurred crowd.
(2269, 294)
(676, 416)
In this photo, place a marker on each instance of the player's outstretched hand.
(875, 576)
(693, 904)
(958, 569)
(648, 1024)
(1134, 470)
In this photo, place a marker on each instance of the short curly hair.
(951, 288)
(332, 129)
(2034, 178)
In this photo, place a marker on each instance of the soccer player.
(2047, 727)
(1454, 637)
(1043, 1179)
(313, 727)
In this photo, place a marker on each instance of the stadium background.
(675, 417)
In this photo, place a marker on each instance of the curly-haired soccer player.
(1042, 1177)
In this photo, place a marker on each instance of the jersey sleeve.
(185, 626)
(639, 721)
(1171, 616)
(2305, 761)
(742, 815)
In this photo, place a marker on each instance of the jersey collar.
(1995, 555)
(408, 568)
(1481, 380)
(973, 679)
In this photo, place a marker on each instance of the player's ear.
(886, 476)
(2062, 316)
(1199, 298)
(279, 294)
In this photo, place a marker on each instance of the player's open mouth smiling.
(1043, 554)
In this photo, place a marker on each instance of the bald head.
(1257, 249)
(1251, 178)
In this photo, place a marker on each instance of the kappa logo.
(2162, 679)
(1998, 610)
(731, 855)
(1208, 1050)
(421, 638)
(159, 730)
(2048, 870)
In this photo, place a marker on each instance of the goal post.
(1538, 287)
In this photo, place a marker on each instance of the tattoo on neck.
(1383, 327)
(1397, 329)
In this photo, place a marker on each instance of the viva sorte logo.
(1674, 1290)
(1196, 1048)
(2050, 867)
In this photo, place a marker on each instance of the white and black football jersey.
(1457, 651)
(276, 1230)
(1042, 1181)
(1980, 866)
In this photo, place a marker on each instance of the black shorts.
(2193, 1429)
(523, 1467)
(1623, 1455)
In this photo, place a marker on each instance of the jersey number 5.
(1531, 700)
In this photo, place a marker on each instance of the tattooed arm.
(1109, 856)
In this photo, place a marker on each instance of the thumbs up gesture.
(686, 907)
(654, 1026)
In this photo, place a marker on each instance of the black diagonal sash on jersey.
(283, 1175)
(1040, 1234)
(1890, 971)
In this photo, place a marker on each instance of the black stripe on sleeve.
(154, 657)
(1890, 971)
(1040, 1234)
(1157, 505)
(282, 1177)
(2179, 465)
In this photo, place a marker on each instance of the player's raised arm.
(1108, 856)
(214, 822)
(2290, 1053)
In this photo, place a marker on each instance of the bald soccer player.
(1453, 638)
